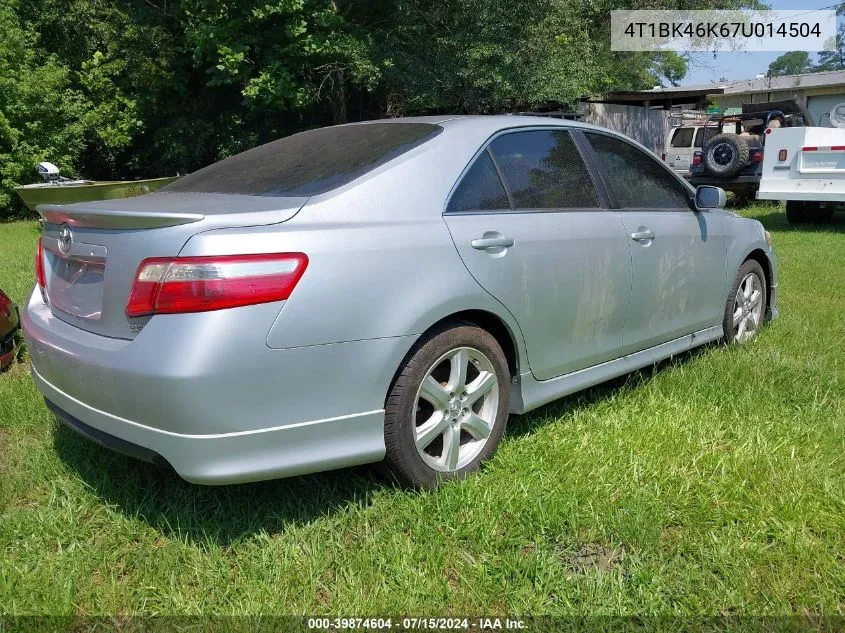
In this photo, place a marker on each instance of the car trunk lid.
(91, 251)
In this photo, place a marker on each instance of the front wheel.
(746, 305)
(448, 406)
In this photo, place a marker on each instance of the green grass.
(714, 484)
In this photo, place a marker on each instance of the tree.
(834, 59)
(49, 111)
(119, 89)
(791, 63)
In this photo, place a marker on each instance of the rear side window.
(308, 163)
(699, 136)
(480, 189)
(543, 170)
(636, 179)
(682, 137)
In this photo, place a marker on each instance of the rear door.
(679, 154)
(679, 256)
(534, 231)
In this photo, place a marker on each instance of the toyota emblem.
(65, 239)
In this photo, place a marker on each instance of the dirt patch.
(594, 557)
(528, 549)
(323, 596)
(452, 578)
(670, 538)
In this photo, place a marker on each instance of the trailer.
(805, 166)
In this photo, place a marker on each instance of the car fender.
(742, 243)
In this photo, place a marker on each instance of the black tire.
(805, 212)
(403, 461)
(817, 214)
(749, 266)
(795, 212)
(726, 154)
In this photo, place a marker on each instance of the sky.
(705, 68)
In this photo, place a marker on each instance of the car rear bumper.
(829, 191)
(248, 413)
(747, 182)
(232, 457)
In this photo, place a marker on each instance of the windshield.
(308, 163)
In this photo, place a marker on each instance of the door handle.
(492, 242)
(643, 235)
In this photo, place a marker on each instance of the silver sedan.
(387, 291)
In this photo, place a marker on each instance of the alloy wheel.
(748, 308)
(456, 407)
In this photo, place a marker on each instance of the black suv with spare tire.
(731, 155)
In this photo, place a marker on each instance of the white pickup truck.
(805, 166)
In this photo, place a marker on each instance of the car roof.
(490, 122)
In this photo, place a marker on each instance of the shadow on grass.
(526, 424)
(219, 515)
(222, 515)
(775, 220)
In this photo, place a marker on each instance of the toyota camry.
(388, 291)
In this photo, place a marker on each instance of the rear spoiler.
(164, 209)
(99, 218)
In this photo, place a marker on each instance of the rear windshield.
(308, 163)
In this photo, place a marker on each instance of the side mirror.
(709, 197)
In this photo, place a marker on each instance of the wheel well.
(495, 326)
(760, 257)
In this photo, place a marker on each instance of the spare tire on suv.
(726, 154)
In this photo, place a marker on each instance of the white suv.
(679, 146)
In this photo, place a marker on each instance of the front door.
(679, 256)
(531, 228)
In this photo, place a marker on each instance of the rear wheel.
(795, 212)
(816, 213)
(800, 211)
(746, 305)
(448, 406)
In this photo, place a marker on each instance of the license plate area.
(75, 280)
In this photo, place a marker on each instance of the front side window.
(308, 163)
(636, 180)
(543, 170)
(682, 137)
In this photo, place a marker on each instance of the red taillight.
(782, 154)
(809, 148)
(199, 284)
(696, 158)
(39, 265)
(757, 156)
